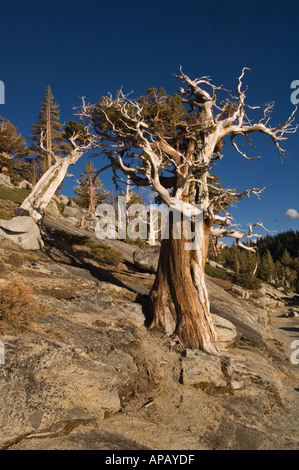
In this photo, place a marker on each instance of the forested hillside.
(276, 261)
(279, 243)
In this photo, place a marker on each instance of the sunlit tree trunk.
(91, 205)
(178, 300)
(35, 204)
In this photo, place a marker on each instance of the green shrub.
(60, 208)
(139, 242)
(247, 281)
(105, 253)
(217, 272)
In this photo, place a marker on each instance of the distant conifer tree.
(12, 144)
(266, 269)
(89, 189)
(49, 125)
(13, 149)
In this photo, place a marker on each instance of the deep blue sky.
(91, 48)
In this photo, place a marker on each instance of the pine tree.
(276, 244)
(246, 276)
(49, 125)
(286, 259)
(13, 149)
(296, 267)
(286, 271)
(12, 144)
(244, 265)
(89, 189)
(135, 198)
(266, 269)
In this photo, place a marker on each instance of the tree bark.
(37, 201)
(49, 132)
(178, 300)
(91, 205)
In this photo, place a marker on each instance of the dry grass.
(7, 209)
(4, 214)
(56, 333)
(18, 309)
(15, 259)
(66, 292)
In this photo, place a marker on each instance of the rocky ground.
(89, 375)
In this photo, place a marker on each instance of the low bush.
(68, 292)
(104, 253)
(17, 307)
(217, 272)
(4, 214)
(7, 209)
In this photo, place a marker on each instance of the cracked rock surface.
(89, 375)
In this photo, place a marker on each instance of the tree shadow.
(293, 301)
(289, 328)
(58, 243)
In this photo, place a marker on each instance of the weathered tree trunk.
(151, 239)
(91, 205)
(37, 201)
(49, 131)
(179, 301)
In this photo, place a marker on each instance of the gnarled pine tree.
(171, 143)
(80, 140)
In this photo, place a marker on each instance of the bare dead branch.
(55, 157)
(238, 235)
(135, 147)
